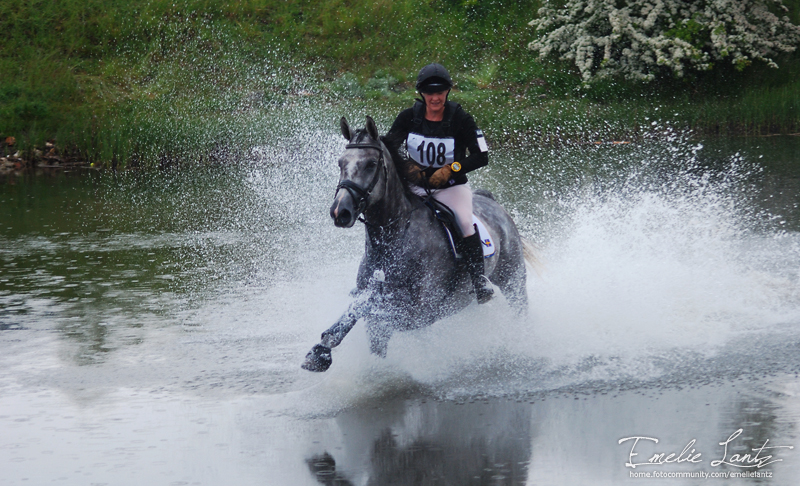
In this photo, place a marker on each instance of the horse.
(409, 276)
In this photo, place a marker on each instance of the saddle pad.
(486, 238)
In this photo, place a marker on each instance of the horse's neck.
(395, 205)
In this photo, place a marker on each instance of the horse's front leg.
(319, 358)
(393, 315)
(379, 331)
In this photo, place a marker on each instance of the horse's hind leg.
(512, 283)
(517, 297)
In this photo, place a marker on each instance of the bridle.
(358, 193)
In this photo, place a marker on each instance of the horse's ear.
(372, 129)
(348, 134)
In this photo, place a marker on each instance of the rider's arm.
(468, 134)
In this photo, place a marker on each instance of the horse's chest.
(414, 274)
(415, 266)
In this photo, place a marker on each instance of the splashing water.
(654, 258)
(654, 261)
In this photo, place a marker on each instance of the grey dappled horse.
(408, 277)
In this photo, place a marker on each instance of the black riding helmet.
(433, 78)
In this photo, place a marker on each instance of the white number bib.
(431, 151)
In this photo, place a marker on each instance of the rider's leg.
(459, 199)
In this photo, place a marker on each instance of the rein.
(357, 192)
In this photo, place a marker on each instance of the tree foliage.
(646, 39)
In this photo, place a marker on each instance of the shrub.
(645, 39)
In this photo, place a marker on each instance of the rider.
(438, 135)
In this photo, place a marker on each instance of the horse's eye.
(371, 164)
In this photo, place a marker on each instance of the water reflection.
(97, 256)
(563, 437)
(406, 443)
(323, 467)
(94, 289)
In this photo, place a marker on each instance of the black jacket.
(456, 124)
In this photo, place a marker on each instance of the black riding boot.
(472, 251)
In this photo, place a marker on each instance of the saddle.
(447, 217)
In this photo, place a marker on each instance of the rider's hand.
(440, 177)
(414, 173)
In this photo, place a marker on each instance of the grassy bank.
(152, 82)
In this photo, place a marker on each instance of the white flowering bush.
(643, 39)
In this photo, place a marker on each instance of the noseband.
(358, 193)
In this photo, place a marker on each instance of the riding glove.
(440, 177)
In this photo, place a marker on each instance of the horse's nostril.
(343, 219)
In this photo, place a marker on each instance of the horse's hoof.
(318, 359)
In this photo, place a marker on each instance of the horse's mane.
(359, 135)
(402, 162)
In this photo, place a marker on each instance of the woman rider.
(438, 135)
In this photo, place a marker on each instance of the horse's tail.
(529, 251)
(485, 193)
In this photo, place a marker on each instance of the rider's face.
(435, 101)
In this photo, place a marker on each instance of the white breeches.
(459, 199)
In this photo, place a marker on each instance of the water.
(152, 326)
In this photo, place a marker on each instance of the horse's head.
(360, 168)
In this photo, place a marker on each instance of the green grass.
(153, 82)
